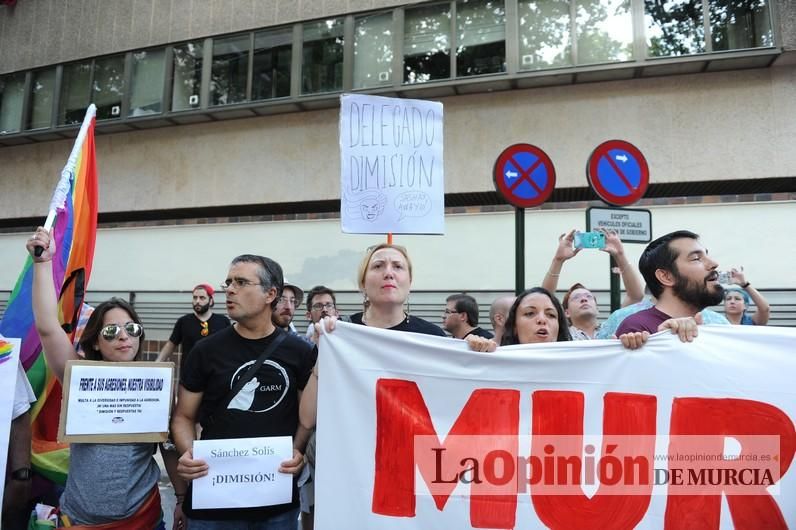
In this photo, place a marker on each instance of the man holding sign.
(246, 380)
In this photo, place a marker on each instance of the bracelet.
(553, 275)
(744, 286)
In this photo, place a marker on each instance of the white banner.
(392, 170)
(381, 392)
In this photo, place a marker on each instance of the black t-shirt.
(266, 406)
(478, 332)
(188, 331)
(410, 323)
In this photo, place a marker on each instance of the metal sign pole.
(519, 250)
(616, 302)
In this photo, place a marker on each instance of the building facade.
(218, 127)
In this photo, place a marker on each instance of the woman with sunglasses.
(111, 486)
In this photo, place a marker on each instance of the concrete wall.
(40, 32)
(476, 252)
(700, 127)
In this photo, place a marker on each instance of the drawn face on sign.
(372, 206)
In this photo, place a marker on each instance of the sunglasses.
(112, 331)
(205, 331)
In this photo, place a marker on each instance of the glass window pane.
(322, 69)
(187, 76)
(75, 93)
(605, 31)
(272, 59)
(739, 24)
(146, 92)
(373, 51)
(229, 70)
(427, 43)
(545, 34)
(674, 27)
(109, 87)
(12, 92)
(42, 91)
(481, 45)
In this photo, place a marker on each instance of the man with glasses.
(321, 302)
(460, 317)
(266, 404)
(291, 298)
(191, 328)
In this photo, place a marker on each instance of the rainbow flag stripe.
(75, 203)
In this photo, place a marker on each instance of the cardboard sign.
(392, 174)
(122, 402)
(243, 473)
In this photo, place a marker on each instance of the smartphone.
(589, 240)
(725, 277)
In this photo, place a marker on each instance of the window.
(272, 60)
(108, 87)
(42, 92)
(545, 34)
(322, 69)
(146, 90)
(738, 24)
(230, 70)
(75, 93)
(674, 28)
(373, 50)
(481, 33)
(187, 76)
(605, 31)
(427, 43)
(12, 92)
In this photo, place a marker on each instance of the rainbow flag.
(73, 209)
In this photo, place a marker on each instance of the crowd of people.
(219, 360)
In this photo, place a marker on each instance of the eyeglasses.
(112, 331)
(448, 312)
(289, 301)
(320, 307)
(237, 283)
(205, 331)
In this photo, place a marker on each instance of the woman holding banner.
(109, 486)
(535, 316)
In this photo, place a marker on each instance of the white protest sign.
(392, 170)
(731, 386)
(243, 473)
(119, 402)
(9, 368)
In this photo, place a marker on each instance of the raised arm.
(763, 312)
(56, 344)
(564, 251)
(634, 292)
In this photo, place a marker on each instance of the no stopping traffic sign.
(524, 175)
(618, 172)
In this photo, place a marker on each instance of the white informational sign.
(633, 226)
(116, 399)
(243, 473)
(730, 387)
(9, 367)
(392, 174)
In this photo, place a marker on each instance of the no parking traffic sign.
(524, 175)
(618, 172)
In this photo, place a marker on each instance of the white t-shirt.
(23, 395)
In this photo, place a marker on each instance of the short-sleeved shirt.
(644, 320)
(479, 332)
(188, 331)
(411, 324)
(266, 406)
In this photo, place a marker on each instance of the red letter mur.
(401, 414)
(626, 417)
(736, 418)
